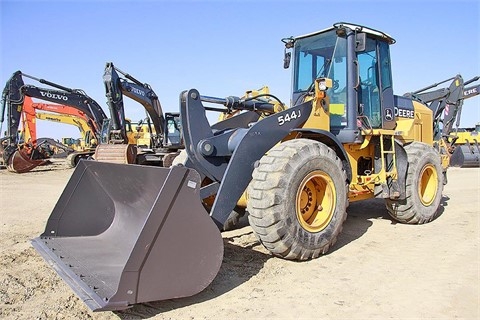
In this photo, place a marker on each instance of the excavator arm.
(68, 115)
(472, 91)
(62, 114)
(12, 101)
(161, 148)
(13, 98)
(116, 87)
(74, 98)
(17, 155)
(78, 122)
(446, 105)
(30, 111)
(468, 93)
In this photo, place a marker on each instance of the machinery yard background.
(377, 269)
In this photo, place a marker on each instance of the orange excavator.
(28, 131)
(14, 154)
(88, 127)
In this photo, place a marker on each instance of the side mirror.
(360, 41)
(289, 42)
(286, 60)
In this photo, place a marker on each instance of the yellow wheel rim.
(428, 185)
(315, 201)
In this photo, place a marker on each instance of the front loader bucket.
(466, 156)
(126, 234)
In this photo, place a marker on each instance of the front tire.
(298, 199)
(424, 186)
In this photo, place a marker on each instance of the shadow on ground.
(240, 262)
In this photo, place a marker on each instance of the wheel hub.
(315, 201)
(428, 185)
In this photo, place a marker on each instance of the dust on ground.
(378, 269)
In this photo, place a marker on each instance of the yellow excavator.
(80, 144)
(126, 234)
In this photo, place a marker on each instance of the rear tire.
(424, 186)
(298, 199)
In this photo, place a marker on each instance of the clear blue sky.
(224, 47)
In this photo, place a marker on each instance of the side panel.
(414, 121)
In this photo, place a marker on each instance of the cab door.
(375, 91)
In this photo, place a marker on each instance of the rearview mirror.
(360, 41)
(289, 42)
(286, 60)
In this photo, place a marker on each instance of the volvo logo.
(138, 91)
(53, 95)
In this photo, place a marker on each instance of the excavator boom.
(446, 104)
(14, 96)
(160, 149)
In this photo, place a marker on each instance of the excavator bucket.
(20, 162)
(126, 234)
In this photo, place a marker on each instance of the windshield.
(321, 55)
(105, 131)
(173, 129)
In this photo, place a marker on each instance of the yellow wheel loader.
(126, 234)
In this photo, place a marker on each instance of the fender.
(331, 141)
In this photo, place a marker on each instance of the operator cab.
(357, 60)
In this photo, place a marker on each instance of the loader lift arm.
(131, 276)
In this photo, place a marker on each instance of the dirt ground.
(377, 270)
